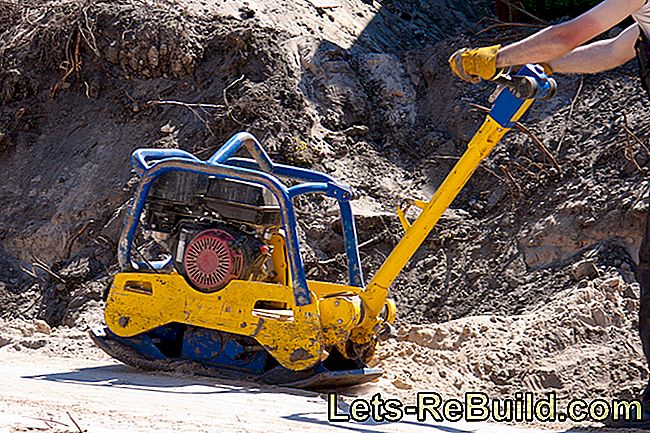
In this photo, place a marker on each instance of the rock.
(27, 330)
(357, 131)
(612, 283)
(33, 343)
(42, 327)
(600, 318)
(153, 56)
(77, 270)
(177, 68)
(4, 340)
(133, 62)
(584, 269)
(187, 59)
(630, 292)
(167, 129)
(5, 141)
(112, 53)
(400, 384)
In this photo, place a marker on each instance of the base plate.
(317, 377)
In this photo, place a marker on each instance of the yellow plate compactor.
(230, 297)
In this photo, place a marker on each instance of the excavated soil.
(527, 283)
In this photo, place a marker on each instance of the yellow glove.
(474, 64)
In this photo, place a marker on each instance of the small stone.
(177, 68)
(153, 56)
(357, 131)
(187, 59)
(600, 318)
(584, 269)
(167, 129)
(42, 327)
(612, 283)
(629, 292)
(27, 330)
(112, 54)
(400, 384)
(134, 64)
(4, 340)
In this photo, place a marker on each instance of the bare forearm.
(557, 41)
(543, 46)
(598, 56)
(589, 59)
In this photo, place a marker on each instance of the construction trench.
(527, 282)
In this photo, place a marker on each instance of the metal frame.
(149, 164)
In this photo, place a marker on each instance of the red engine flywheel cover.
(210, 262)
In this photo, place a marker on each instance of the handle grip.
(529, 86)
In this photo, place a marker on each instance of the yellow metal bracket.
(405, 206)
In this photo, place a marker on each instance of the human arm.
(553, 43)
(558, 40)
(600, 55)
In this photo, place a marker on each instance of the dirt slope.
(534, 262)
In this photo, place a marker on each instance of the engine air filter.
(210, 261)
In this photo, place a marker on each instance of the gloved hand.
(474, 64)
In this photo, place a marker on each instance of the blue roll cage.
(149, 164)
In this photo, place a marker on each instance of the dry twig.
(569, 118)
(43, 266)
(74, 238)
(225, 99)
(186, 104)
(629, 155)
(72, 65)
(192, 107)
(506, 172)
(631, 134)
(525, 12)
(532, 136)
(75, 423)
(372, 240)
(47, 421)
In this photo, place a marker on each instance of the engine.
(216, 230)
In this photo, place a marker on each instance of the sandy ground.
(582, 344)
(38, 392)
(47, 373)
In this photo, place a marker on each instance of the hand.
(474, 64)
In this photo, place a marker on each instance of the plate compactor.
(230, 296)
